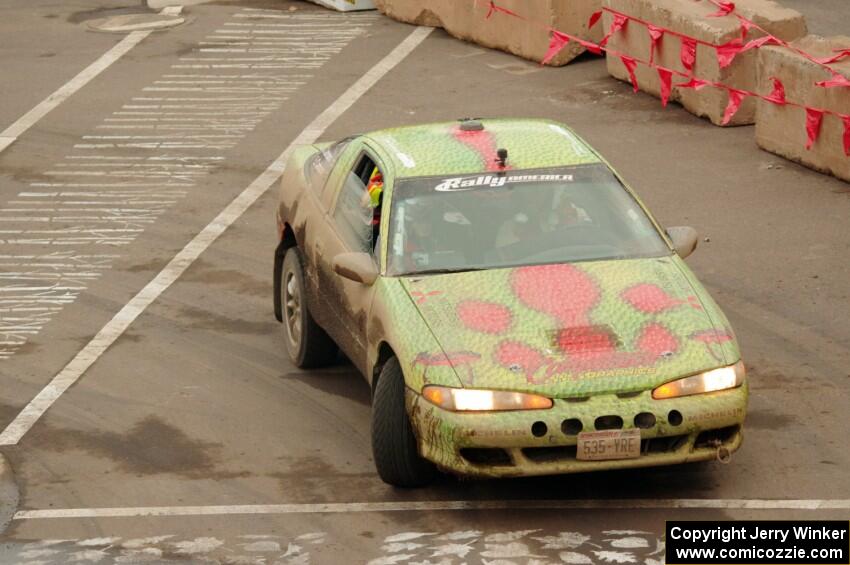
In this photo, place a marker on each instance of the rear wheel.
(307, 344)
(393, 443)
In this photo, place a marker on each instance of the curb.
(8, 494)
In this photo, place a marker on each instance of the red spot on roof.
(483, 143)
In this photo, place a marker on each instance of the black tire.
(393, 443)
(309, 346)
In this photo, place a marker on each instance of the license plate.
(608, 444)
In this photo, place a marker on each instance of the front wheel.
(393, 443)
(307, 344)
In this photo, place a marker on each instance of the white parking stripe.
(437, 505)
(11, 133)
(184, 127)
(122, 320)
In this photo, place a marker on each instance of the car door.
(347, 228)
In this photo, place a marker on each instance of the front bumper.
(502, 444)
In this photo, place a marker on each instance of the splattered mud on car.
(507, 296)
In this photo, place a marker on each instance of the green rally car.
(515, 308)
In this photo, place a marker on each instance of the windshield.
(494, 220)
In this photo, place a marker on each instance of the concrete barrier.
(692, 19)
(782, 129)
(465, 19)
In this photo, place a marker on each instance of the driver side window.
(357, 211)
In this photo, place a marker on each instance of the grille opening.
(645, 420)
(675, 418)
(577, 399)
(608, 423)
(539, 429)
(716, 438)
(571, 426)
(550, 454)
(629, 394)
(663, 444)
(486, 456)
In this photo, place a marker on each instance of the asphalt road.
(196, 405)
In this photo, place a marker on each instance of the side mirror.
(355, 266)
(684, 239)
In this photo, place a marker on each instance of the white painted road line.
(11, 133)
(439, 505)
(220, 111)
(122, 320)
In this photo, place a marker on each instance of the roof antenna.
(501, 157)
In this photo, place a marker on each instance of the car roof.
(446, 149)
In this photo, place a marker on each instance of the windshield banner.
(469, 183)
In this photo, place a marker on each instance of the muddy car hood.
(571, 330)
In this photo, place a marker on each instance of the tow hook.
(723, 454)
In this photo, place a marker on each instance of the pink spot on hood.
(562, 291)
(657, 339)
(485, 317)
(452, 359)
(420, 297)
(712, 336)
(650, 298)
(511, 354)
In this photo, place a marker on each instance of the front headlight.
(476, 400)
(717, 379)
